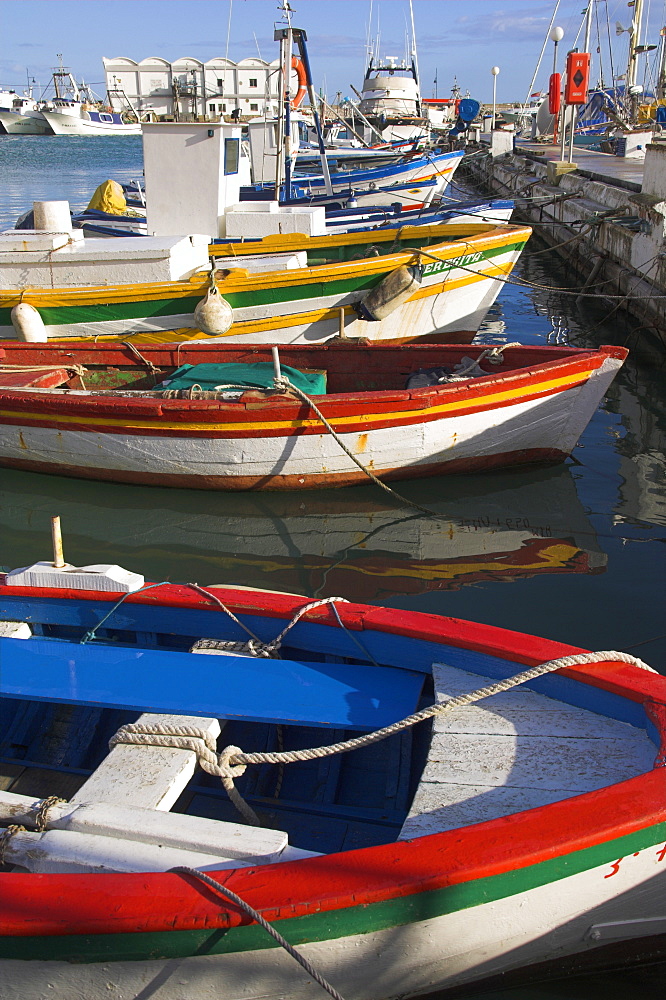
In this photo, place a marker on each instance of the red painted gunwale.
(412, 405)
(102, 904)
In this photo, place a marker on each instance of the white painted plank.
(532, 722)
(542, 762)
(438, 806)
(65, 851)
(144, 776)
(514, 751)
(150, 826)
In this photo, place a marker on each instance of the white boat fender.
(213, 314)
(391, 292)
(28, 324)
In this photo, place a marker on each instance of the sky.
(459, 39)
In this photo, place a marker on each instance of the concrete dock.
(606, 217)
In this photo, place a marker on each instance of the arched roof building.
(189, 88)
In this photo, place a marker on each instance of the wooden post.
(56, 535)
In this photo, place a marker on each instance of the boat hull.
(536, 416)
(309, 305)
(64, 124)
(16, 124)
(532, 923)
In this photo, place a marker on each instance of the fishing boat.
(22, 115)
(75, 110)
(319, 416)
(407, 803)
(424, 281)
(411, 180)
(95, 222)
(90, 120)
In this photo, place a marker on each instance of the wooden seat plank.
(341, 695)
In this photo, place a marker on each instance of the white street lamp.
(556, 35)
(495, 70)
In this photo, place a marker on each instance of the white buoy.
(52, 216)
(213, 314)
(28, 324)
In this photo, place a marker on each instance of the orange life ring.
(302, 82)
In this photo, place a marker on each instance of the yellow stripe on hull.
(488, 401)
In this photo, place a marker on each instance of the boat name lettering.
(512, 523)
(446, 265)
(661, 854)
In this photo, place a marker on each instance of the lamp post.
(556, 36)
(495, 70)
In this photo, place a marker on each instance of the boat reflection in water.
(354, 542)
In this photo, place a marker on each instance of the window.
(231, 155)
(211, 108)
(220, 84)
(254, 107)
(253, 82)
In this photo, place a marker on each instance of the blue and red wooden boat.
(493, 840)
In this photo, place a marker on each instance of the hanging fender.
(398, 286)
(297, 64)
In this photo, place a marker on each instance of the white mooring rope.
(232, 762)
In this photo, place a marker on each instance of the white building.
(188, 88)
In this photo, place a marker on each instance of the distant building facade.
(188, 88)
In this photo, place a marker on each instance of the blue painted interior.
(337, 803)
(393, 650)
(226, 687)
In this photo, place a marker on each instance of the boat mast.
(634, 41)
(283, 158)
(661, 79)
(588, 25)
(415, 60)
(301, 38)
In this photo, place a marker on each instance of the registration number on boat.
(441, 265)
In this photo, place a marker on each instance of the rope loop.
(41, 819)
(6, 836)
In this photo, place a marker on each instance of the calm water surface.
(575, 553)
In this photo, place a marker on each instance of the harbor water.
(574, 552)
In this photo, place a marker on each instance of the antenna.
(287, 11)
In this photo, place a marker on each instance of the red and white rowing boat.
(107, 412)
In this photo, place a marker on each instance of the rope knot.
(227, 768)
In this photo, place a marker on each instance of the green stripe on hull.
(362, 919)
(110, 312)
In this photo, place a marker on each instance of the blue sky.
(461, 38)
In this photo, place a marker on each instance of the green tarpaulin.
(257, 375)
